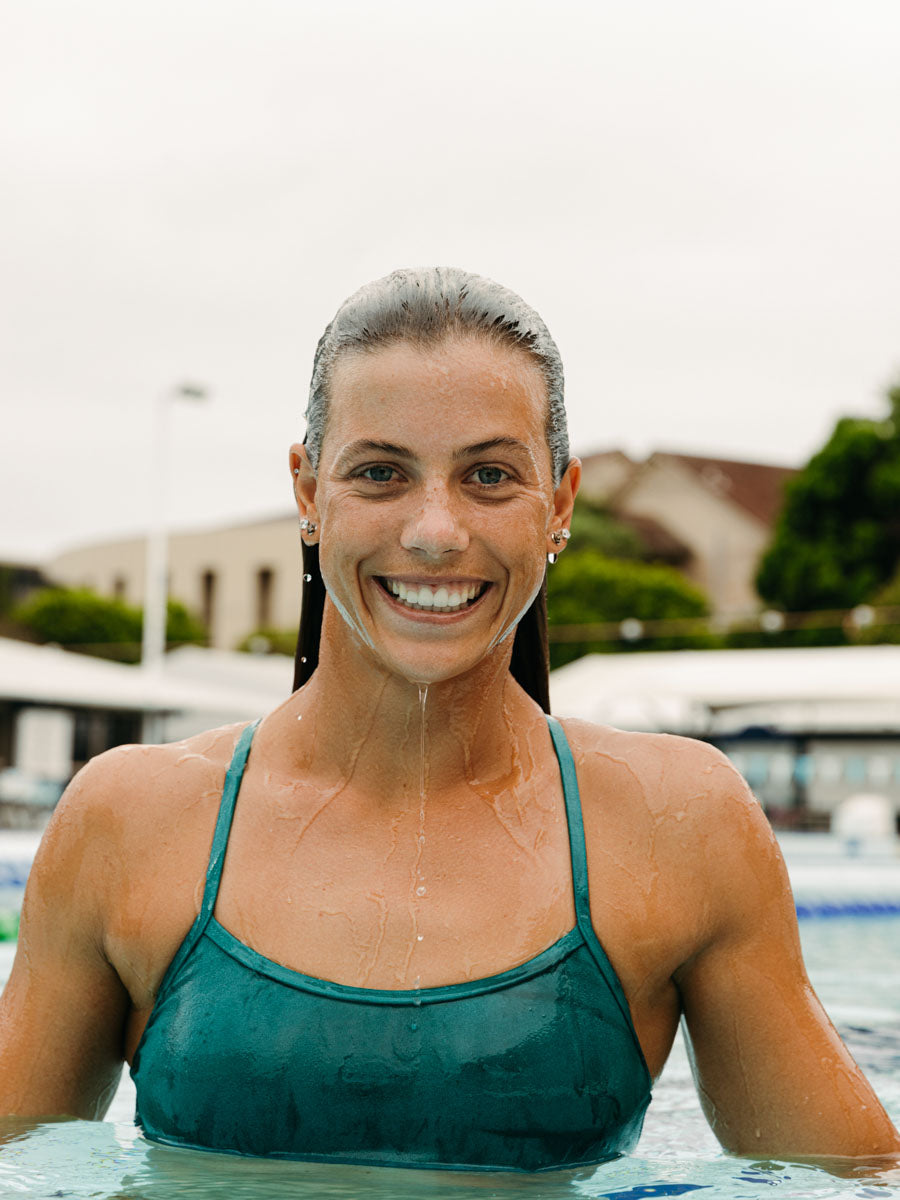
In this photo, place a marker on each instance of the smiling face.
(434, 500)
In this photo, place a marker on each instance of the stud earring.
(308, 526)
(296, 470)
(559, 536)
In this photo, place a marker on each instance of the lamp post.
(153, 642)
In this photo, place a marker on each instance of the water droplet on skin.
(307, 578)
(300, 718)
(420, 937)
(420, 890)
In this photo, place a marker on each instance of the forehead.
(460, 391)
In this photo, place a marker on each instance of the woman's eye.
(378, 473)
(490, 476)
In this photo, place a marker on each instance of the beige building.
(236, 579)
(723, 512)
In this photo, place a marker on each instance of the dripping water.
(420, 839)
(419, 887)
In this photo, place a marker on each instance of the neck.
(359, 720)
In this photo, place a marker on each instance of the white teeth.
(425, 597)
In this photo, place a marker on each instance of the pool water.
(854, 963)
(851, 941)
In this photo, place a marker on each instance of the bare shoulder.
(132, 813)
(679, 783)
(682, 818)
(132, 790)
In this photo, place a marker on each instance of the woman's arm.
(774, 1077)
(63, 1011)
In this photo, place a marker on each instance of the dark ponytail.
(312, 604)
(530, 662)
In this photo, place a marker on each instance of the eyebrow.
(367, 446)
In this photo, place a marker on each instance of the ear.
(564, 498)
(304, 478)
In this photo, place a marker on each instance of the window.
(265, 583)
(208, 601)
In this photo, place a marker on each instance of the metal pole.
(156, 568)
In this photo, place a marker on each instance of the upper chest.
(388, 891)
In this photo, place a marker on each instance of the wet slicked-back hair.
(426, 308)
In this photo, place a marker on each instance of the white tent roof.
(221, 684)
(852, 687)
(691, 691)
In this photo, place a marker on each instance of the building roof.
(758, 488)
(287, 515)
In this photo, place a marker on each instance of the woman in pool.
(447, 931)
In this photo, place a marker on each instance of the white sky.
(701, 197)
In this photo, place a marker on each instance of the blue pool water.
(853, 955)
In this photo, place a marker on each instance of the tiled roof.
(756, 487)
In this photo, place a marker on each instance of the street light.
(153, 644)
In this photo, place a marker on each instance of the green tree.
(594, 527)
(269, 641)
(887, 627)
(80, 619)
(837, 539)
(182, 627)
(587, 588)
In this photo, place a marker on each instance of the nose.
(435, 527)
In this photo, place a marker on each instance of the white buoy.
(865, 822)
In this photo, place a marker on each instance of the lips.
(436, 597)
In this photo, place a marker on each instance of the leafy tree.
(587, 588)
(269, 641)
(751, 637)
(80, 619)
(182, 627)
(887, 597)
(594, 527)
(6, 590)
(838, 536)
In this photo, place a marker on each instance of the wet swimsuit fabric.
(534, 1068)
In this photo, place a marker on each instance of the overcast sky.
(701, 197)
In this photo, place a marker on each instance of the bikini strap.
(578, 852)
(216, 859)
(577, 848)
(223, 822)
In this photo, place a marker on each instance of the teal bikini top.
(534, 1068)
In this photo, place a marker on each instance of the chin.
(429, 669)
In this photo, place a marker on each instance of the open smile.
(435, 598)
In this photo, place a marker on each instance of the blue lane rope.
(850, 908)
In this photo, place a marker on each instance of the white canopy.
(220, 685)
(704, 691)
